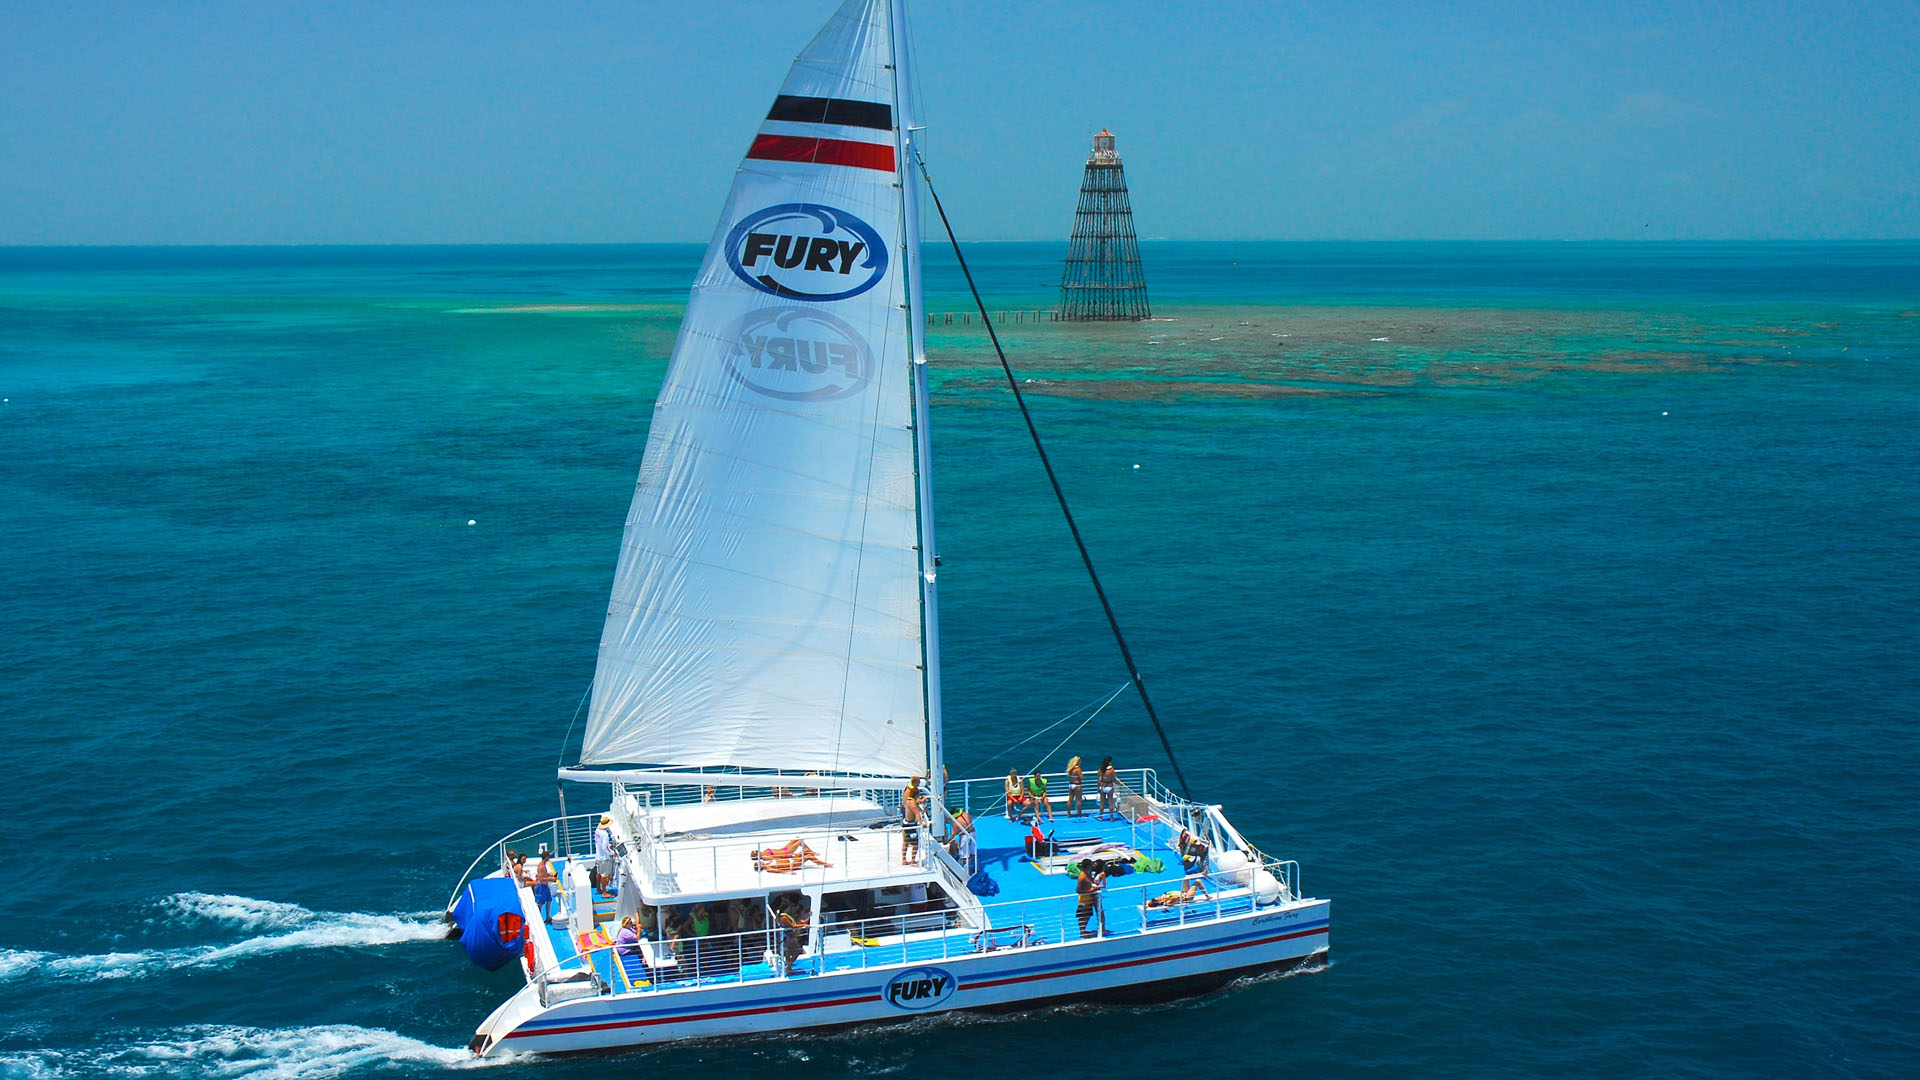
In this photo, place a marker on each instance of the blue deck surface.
(1036, 904)
(1046, 901)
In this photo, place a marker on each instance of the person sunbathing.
(787, 858)
(1184, 896)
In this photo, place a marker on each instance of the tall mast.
(907, 136)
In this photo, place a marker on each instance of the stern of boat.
(523, 1006)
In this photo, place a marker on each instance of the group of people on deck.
(682, 926)
(916, 813)
(1029, 797)
(541, 879)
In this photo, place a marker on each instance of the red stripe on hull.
(1135, 963)
(856, 155)
(650, 1021)
(863, 998)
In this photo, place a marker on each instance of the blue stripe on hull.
(749, 1005)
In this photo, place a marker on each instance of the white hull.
(1158, 963)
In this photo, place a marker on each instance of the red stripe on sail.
(857, 155)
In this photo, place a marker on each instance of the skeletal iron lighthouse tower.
(1103, 279)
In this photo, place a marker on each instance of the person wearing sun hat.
(603, 852)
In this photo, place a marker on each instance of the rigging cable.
(559, 786)
(568, 737)
(1065, 511)
(997, 755)
(1083, 726)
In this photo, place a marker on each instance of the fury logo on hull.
(799, 354)
(805, 251)
(920, 988)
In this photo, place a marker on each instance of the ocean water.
(1557, 606)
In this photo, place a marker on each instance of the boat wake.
(305, 1053)
(285, 927)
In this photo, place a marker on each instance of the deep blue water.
(1571, 647)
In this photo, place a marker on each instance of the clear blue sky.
(348, 122)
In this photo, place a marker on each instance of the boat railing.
(669, 867)
(1139, 796)
(562, 836)
(907, 936)
(723, 786)
(1138, 790)
(1204, 896)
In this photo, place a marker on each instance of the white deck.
(704, 851)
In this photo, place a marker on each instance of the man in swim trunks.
(543, 882)
(911, 815)
(1037, 791)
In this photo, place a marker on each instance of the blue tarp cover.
(478, 915)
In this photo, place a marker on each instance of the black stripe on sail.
(819, 110)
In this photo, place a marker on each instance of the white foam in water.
(307, 1053)
(17, 962)
(297, 928)
(244, 912)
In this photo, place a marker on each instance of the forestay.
(766, 607)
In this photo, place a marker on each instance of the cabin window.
(874, 913)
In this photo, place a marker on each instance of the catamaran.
(780, 847)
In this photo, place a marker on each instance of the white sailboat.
(768, 684)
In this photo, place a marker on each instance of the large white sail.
(766, 608)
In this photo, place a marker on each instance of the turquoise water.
(1566, 636)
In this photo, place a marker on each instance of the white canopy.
(766, 607)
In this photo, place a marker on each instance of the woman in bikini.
(1108, 779)
(1076, 778)
(1184, 896)
(1093, 877)
(788, 858)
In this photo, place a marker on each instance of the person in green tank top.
(1037, 788)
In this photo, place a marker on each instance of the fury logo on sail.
(799, 354)
(805, 251)
(920, 988)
